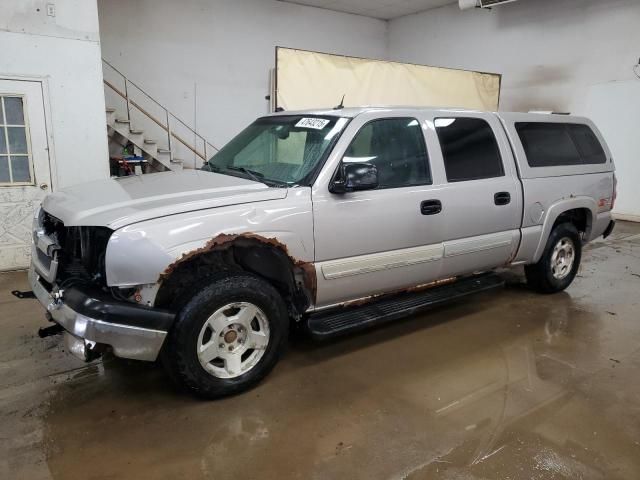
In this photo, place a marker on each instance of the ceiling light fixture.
(468, 4)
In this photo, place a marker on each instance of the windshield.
(281, 150)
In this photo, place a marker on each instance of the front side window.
(548, 144)
(469, 149)
(281, 150)
(15, 160)
(396, 147)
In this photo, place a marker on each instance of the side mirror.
(354, 177)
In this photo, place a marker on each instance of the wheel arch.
(267, 258)
(580, 211)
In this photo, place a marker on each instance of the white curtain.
(317, 80)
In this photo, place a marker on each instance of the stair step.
(122, 120)
(163, 150)
(342, 321)
(134, 131)
(176, 164)
(150, 142)
(110, 110)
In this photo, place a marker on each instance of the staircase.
(161, 138)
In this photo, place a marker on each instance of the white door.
(481, 199)
(25, 176)
(386, 239)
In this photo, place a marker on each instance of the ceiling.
(383, 9)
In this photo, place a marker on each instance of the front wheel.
(559, 263)
(227, 337)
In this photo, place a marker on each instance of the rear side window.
(469, 148)
(559, 144)
(588, 145)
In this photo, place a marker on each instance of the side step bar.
(341, 321)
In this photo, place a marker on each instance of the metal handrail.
(167, 114)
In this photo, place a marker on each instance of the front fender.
(557, 209)
(135, 256)
(141, 253)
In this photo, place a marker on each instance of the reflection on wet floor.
(508, 384)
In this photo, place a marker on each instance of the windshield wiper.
(255, 176)
(252, 174)
(210, 167)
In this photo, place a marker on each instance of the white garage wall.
(549, 51)
(615, 107)
(64, 49)
(208, 61)
(552, 54)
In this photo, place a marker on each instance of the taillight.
(614, 195)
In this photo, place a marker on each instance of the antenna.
(341, 106)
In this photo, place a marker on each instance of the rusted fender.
(225, 241)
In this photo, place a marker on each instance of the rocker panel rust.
(418, 288)
(225, 241)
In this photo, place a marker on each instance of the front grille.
(80, 251)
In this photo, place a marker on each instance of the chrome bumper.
(126, 341)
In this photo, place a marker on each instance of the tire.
(236, 312)
(550, 274)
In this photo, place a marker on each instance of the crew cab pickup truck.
(333, 220)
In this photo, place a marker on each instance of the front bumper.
(92, 322)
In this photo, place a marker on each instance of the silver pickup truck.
(332, 220)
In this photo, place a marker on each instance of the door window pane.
(4, 169)
(469, 149)
(20, 169)
(14, 111)
(396, 147)
(17, 139)
(15, 161)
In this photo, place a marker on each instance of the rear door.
(481, 194)
(24, 167)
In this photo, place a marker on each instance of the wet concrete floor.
(505, 385)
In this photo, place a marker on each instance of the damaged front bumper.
(93, 321)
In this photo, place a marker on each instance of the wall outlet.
(51, 9)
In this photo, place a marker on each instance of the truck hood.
(118, 202)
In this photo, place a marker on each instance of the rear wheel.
(559, 263)
(227, 337)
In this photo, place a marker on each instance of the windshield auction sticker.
(316, 123)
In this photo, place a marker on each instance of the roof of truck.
(352, 112)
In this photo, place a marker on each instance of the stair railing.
(167, 123)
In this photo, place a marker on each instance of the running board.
(345, 320)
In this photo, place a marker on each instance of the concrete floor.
(506, 385)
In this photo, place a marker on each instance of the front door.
(386, 239)
(25, 177)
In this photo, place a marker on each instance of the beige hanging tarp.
(307, 80)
